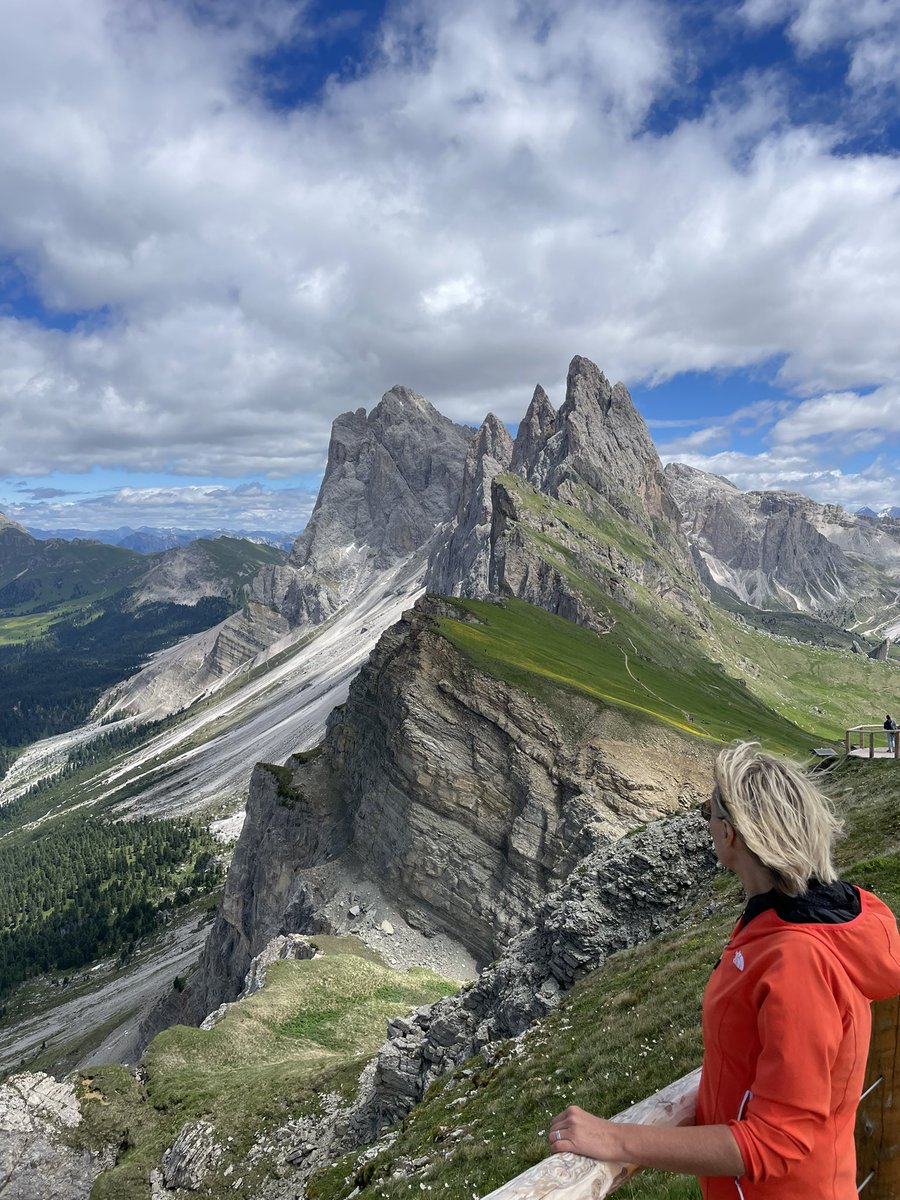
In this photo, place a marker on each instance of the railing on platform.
(572, 1177)
(860, 733)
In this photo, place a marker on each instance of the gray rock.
(596, 460)
(392, 478)
(458, 794)
(618, 896)
(38, 1158)
(882, 651)
(191, 1157)
(460, 563)
(781, 550)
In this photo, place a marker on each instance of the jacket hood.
(867, 946)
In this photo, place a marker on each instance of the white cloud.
(691, 443)
(876, 486)
(481, 204)
(867, 29)
(246, 506)
(845, 420)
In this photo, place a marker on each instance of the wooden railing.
(878, 1116)
(572, 1177)
(859, 734)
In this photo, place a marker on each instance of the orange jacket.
(786, 1026)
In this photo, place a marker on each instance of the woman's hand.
(579, 1132)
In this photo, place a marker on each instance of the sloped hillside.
(621, 1033)
(77, 617)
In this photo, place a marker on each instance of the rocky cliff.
(578, 503)
(782, 550)
(463, 797)
(393, 477)
(620, 895)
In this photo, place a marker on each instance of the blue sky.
(222, 224)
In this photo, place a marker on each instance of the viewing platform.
(871, 741)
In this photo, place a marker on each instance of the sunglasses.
(706, 807)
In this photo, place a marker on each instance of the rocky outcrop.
(193, 1154)
(599, 440)
(578, 507)
(882, 651)
(618, 896)
(461, 563)
(782, 550)
(393, 477)
(466, 799)
(40, 1159)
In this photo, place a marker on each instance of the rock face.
(393, 477)
(191, 1157)
(581, 493)
(465, 798)
(882, 651)
(619, 895)
(219, 568)
(460, 564)
(39, 1160)
(782, 550)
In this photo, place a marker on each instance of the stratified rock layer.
(620, 895)
(465, 799)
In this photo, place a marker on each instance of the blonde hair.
(784, 820)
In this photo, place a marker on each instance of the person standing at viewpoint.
(890, 725)
(786, 1012)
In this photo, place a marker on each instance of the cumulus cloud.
(867, 29)
(807, 444)
(841, 417)
(244, 507)
(486, 198)
(852, 490)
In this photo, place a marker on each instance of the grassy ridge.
(630, 667)
(820, 691)
(620, 1034)
(269, 1060)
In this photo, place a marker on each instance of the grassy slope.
(630, 667)
(620, 1034)
(308, 1032)
(820, 691)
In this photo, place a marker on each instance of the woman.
(786, 1012)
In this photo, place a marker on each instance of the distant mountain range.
(78, 616)
(893, 511)
(147, 539)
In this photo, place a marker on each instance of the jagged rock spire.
(460, 563)
(537, 427)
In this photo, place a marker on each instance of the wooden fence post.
(878, 1117)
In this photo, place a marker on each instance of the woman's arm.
(690, 1150)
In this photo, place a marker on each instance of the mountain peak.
(401, 402)
(8, 523)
